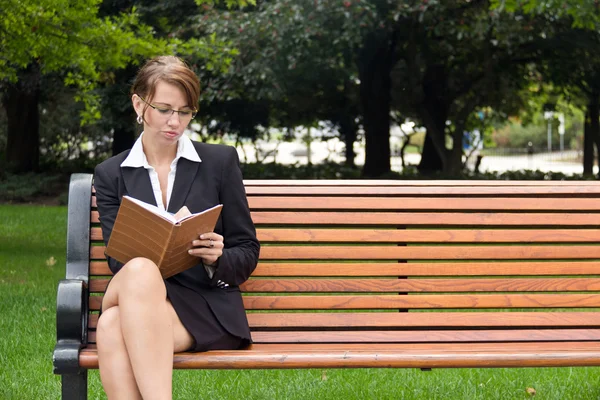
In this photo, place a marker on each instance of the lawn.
(32, 259)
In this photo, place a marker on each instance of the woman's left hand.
(209, 247)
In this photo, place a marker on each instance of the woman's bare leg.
(141, 357)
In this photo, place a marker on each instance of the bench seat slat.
(416, 336)
(387, 355)
(428, 336)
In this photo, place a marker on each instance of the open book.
(144, 230)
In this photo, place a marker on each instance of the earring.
(139, 119)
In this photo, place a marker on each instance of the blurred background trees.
(356, 67)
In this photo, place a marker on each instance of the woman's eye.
(185, 113)
(164, 110)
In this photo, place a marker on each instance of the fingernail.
(190, 251)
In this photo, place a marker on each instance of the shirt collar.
(137, 158)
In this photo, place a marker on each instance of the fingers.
(209, 247)
(209, 240)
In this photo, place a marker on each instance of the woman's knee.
(108, 330)
(142, 276)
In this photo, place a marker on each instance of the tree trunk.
(348, 132)
(21, 101)
(430, 158)
(434, 114)
(374, 69)
(118, 114)
(594, 112)
(123, 139)
(588, 146)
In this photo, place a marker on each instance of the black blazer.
(216, 179)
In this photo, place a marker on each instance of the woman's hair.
(168, 69)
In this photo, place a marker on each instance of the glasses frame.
(173, 111)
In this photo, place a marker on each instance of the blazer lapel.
(184, 178)
(138, 185)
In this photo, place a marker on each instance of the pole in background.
(549, 115)
(561, 131)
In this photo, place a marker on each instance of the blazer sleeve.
(241, 249)
(108, 202)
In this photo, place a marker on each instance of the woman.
(144, 318)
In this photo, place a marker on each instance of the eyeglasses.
(168, 112)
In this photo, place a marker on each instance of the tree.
(295, 59)
(49, 36)
(83, 45)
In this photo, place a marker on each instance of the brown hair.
(169, 69)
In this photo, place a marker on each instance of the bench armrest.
(71, 324)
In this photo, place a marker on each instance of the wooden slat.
(411, 355)
(99, 268)
(508, 320)
(416, 203)
(439, 191)
(416, 336)
(95, 234)
(416, 252)
(428, 252)
(266, 235)
(488, 347)
(428, 336)
(283, 235)
(419, 219)
(425, 218)
(406, 285)
(446, 301)
(493, 268)
(422, 285)
(402, 183)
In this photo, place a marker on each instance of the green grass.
(32, 236)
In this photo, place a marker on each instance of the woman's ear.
(138, 105)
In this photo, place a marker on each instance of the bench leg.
(74, 386)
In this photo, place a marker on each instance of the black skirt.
(200, 321)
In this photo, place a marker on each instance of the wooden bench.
(402, 274)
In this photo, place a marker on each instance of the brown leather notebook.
(144, 230)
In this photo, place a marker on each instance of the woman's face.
(162, 124)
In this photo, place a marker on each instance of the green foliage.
(69, 37)
(36, 188)
(295, 57)
(585, 13)
(230, 3)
